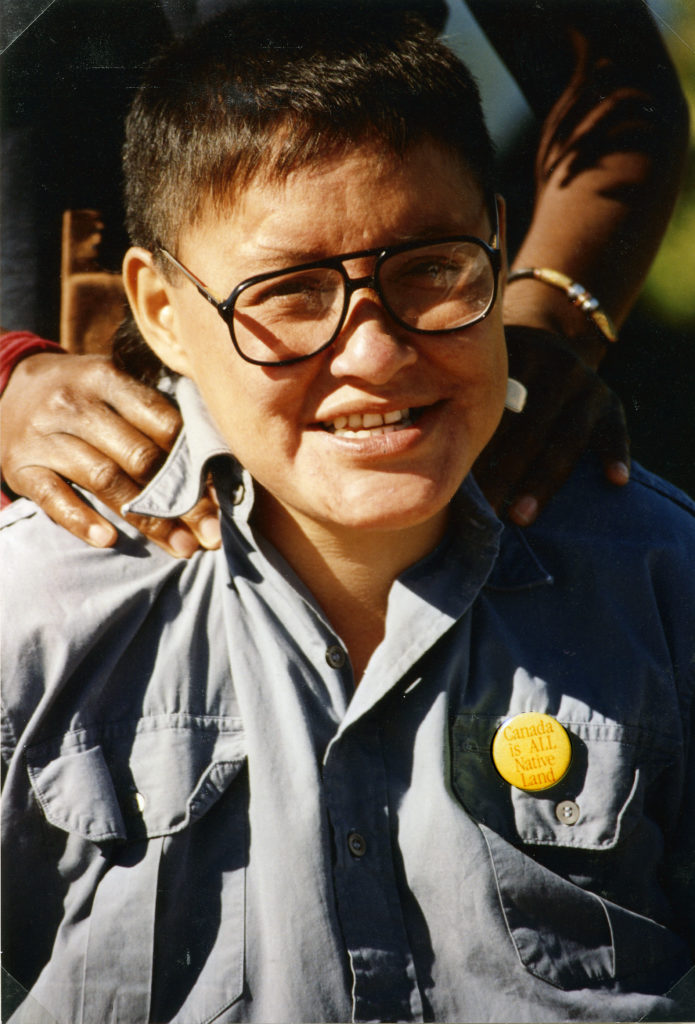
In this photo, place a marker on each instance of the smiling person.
(613, 133)
(378, 757)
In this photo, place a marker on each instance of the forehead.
(360, 198)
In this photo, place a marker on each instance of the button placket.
(368, 901)
(357, 844)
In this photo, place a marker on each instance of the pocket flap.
(151, 779)
(76, 793)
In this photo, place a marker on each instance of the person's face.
(280, 421)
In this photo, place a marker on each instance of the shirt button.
(567, 812)
(335, 656)
(135, 802)
(357, 844)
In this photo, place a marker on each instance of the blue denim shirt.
(206, 821)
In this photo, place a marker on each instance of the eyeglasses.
(428, 287)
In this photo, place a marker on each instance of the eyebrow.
(270, 256)
(281, 256)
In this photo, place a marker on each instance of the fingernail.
(182, 543)
(100, 535)
(524, 511)
(210, 531)
(620, 472)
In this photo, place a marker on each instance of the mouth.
(371, 424)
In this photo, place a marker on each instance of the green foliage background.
(670, 288)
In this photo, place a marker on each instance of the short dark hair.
(274, 85)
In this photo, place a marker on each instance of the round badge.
(532, 751)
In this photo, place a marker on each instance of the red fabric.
(17, 345)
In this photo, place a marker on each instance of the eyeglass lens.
(438, 287)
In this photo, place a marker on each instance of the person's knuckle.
(168, 418)
(170, 426)
(103, 476)
(148, 396)
(143, 458)
(151, 526)
(101, 379)
(12, 464)
(203, 508)
(44, 488)
(62, 401)
(98, 368)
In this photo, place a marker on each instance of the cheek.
(481, 372)
(495, 398)
(258, 411)
(480, 364)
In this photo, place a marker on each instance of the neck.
(349, 571)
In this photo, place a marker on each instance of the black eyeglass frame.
(225, 307)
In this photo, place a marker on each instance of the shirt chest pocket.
(153, 866)
(562, 857)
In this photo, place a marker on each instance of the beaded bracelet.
(576, 293)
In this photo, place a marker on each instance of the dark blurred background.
(69, 68)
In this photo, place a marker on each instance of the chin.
(398, 509)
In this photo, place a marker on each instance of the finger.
(147, 409)
(172, 535)
(568, 439)
(520, 438)
(204, 522)
(101, 476)
(79, 462)
(611, 442)
(65, 418)
(617, 473)
(510, 454)
(137, 454)
(64, 506)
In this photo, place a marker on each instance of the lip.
(397, 442)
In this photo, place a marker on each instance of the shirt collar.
(179, 484)
(518, 566)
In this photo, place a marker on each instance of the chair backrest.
(92, 300)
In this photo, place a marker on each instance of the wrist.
(528, 303)
(16, 346)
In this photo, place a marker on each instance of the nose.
(371, 346)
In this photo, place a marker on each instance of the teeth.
(369, 423)
(394, 417)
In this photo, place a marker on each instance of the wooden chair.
(92, 300)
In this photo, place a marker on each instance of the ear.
(152, 301)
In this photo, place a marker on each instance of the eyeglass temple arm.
(495, 240)
(192, 278)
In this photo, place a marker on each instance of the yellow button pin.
(531, 751)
